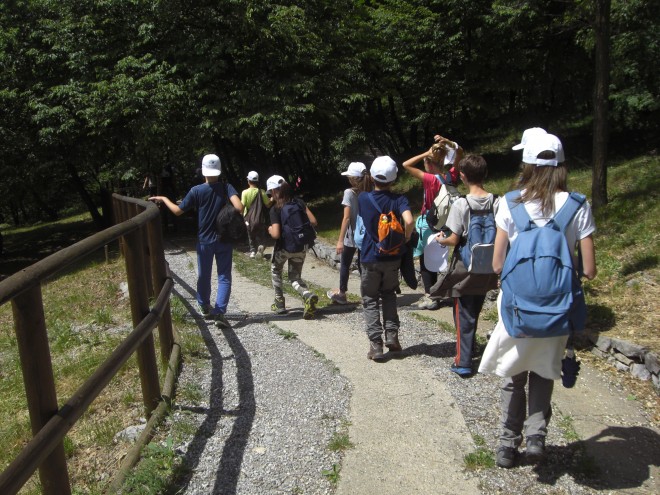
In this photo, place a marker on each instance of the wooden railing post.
(34, 352)
(159, 273)
(139, 298)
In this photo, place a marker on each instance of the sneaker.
(221, 321)
(310, 306)
(535, 448)
(260, 251)
(337, 297)
(252, 255)
(278, 306)
(570, 369)
(461, 371)
(506, 457)
(205, 309)
(375, 351)
(425, 302)
(392, 342)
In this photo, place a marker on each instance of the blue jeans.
(222, 253)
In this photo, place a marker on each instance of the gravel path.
(272, 404)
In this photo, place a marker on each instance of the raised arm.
(410, 165)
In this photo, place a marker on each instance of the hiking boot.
(310, 306)
(260, 251)
(535, 448)
(278, 306)
(221, 321)
(252, 255)
(506, 457)
(337, 297)
(392, 342)
(461, 371)
(375, 351)
(570, 369)
(425, 302)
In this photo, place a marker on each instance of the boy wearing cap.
(358, 177)
(436, 159)
(247, 198)
(208, 199)
(469, 301)
(534, 360)
(380, 272)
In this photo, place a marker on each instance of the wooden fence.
(138, 230)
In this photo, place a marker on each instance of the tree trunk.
(87, 199)
(601, 97)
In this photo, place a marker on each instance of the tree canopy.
(98, 93)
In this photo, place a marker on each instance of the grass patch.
(481, 458)
(340, 442)
(332, 474)
(565, 423)
(286, 334)
(153, 473)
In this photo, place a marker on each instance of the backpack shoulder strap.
(373, 202)
(566, 213)
(518, 212)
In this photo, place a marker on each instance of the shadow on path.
(229, 464)
(615, 459)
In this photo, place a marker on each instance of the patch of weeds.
(102, 317)
(129, 397)
(193, 345)
(191, 393)
(286, 334)
(424, 318)
(103, 432)
(340, 442)
(69, 447)
(566, 425)
(490, 314)
(446, 327)
(179, 311)
(184, 428)
(154, 471)
(631, 397)
(482, 458)
(332, 475)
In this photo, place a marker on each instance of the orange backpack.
(391, 237)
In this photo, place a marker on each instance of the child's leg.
(205, 254)
(296, 262)
(223, 255)
(276, 266)
(345, 267)
(370, 282)
(389, 283)
(540, 408)
(466, 317)
(513, 404)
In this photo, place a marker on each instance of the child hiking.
(249, 197)
(470, 217)
(382, 248)
(543, 225)
(208, 199)
(434, 175)
(360, 182)
(292, 228)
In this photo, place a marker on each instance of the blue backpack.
(360, 230)
(541, 293)
(297, 231)
(477, 250)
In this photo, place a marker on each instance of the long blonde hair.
(361, 184)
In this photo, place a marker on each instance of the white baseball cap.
(253, 176)
(274, 182)
(211, 166)
(355, 169)
(383, 169)
(527, 135)
(540, 143)
(435, 255)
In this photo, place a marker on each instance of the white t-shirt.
(508, 356)
(350, 199)
(459, 214)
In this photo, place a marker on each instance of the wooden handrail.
(140, 224)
